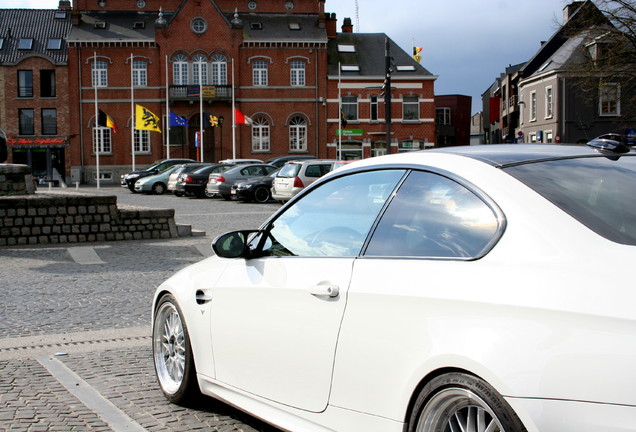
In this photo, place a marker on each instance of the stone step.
(187, 231)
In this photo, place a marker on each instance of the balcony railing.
(192, 92)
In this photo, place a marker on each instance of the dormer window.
(60, 15)
(25, 44)
(139, 25)
(294, 26)
(256, 26)
(100, 25)
(350, 68)
(406, 68)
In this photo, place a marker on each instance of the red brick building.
(283, 64)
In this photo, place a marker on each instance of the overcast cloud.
(467, 43)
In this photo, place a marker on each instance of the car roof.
(502, 155)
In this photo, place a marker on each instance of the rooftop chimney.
(331, 23)
(569, 10)
(64, 5)
(347, 27)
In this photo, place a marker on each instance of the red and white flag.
(241, 118)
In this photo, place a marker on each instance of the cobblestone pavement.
(75, 348)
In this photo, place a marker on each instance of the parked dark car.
(193, 183)
(128, 180)
(257, 189)
(183, 169)
(282, 160)
(221, 184)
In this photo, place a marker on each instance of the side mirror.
(232, 244)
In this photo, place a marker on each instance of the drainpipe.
(81, 117)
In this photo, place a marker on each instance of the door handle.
(325, 290)
(202, 298)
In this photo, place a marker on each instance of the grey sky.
(467, 43)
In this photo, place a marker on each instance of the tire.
(178, 194)
(207, 194)
(261, 194)
(131, 187)
(227, 197)
(158, 188)
(458, 401)
(172, 353)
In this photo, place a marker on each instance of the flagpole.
(233, 116)
(132, 110)
(201, 108)
(97, 134)
(340, 113)
(167, 113)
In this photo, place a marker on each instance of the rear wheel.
(261, 194)
(208, 194)
(227, 197)
(172, 353)
(458, 401)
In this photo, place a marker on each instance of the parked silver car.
(294, 176)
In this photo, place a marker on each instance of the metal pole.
(167, 114)
(97, 136)
(132, 109)
(201, 108)
(387, 95)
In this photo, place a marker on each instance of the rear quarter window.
(597, 191)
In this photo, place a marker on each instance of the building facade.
(201, 65)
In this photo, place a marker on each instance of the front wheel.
(158, 188)
(172, 353)
(261, 195)
(457, 401)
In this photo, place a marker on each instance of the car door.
(275, 318)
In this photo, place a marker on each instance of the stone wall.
(51, 219)
(16, 179)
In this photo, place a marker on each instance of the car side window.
(313, 171)
(334, 219)
(433, 216)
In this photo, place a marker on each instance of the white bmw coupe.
(473, 289)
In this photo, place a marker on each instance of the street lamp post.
(221, 133)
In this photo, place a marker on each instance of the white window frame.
(298, 134)
(180, 70)
(408, 103)
(140, 73)
(106, 142)
(533, 106)
(260, 135)
(549, 102)
(99, 73)
(259, 73)
(219, 70)
(199, 61)
(297, 71)
(604, 91)
(142, 141)
(350, 107)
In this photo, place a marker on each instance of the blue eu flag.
(176, 120)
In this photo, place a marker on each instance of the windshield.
(597, 191)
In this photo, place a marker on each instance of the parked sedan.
(221, 184)
(157, 183)
(257, 189)
(193, 184)
(182, 169)
(483, 288)
(294, 176)
(128, 180)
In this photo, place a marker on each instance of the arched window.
(260, 134)
(180, 70)
(219, 70)
(297, 134)
(200, 69)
